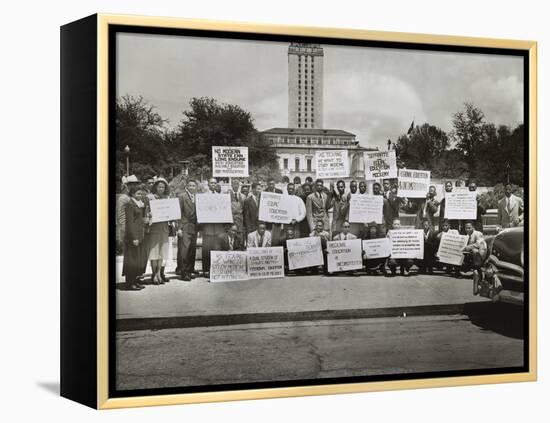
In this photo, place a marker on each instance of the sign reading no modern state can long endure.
(229, 162)
(332, 164)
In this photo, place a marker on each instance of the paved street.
(491, 338)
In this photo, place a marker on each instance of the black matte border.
(115, 29)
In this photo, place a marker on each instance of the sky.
(374, 93)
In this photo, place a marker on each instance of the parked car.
(501, 275)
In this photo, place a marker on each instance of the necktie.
(508, 204)
(261, 241)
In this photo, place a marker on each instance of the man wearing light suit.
(510, 209)
(187, 232)
(259, 238)
(317, 205)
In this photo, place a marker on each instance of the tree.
(468, 133)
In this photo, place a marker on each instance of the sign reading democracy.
(413, 183)
(304, 252)
(377, 248)
(407, 243)
(380, 164)
(366, 208)
(344, 255)
(275, 208)
(165, 210)
(265, 263)
(450, 248)
(229, 162)
(213, 208)
(332, 164)
(227, 266)
(461, 205)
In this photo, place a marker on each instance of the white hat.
(132, 178)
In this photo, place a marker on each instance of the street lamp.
(389, 145)
(127, 153)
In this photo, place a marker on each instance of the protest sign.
(461, 205)
(213, 208)
(344, 255)
(413, 183)
(450, 248)
(332, 164)
(377, 248)
(165, 210)
(407, 243)
(366, 208)
(265, 263)
(275, 208)
(380, 164)
(304, 252)
(229, 162)
(227, 266)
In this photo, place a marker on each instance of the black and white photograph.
(289, 211)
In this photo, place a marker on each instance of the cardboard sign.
(165, 210)
(227, 266)
(304, 252)
(377, 248)
(265, 263)
(366, 208)
(344, 255)
(275, 208)
(413, 183)
(407, 243)
(213, 208)
(450, 248)
(461, 205)
(332, 164)
(229, 161)
(380, 164)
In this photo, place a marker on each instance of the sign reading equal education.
(380, 164)
(229, 162)
(332, 164)
(213, 208)
(377, 248)
(366, 208)
(304, 252)
(265, 263)
(344, 255)
(227, 266)
(413, 183)
(450, 248)
(275, 208)
(407, 243)
(165, 210)
(461, 205)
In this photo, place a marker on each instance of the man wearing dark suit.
(210, 232)
(237, 207)
(271, 187)
(478, 222)
(426, 209)
(187, 231)
(430, 248)
(251, 210)
(453, 223)
(230, 240)
(340, 208)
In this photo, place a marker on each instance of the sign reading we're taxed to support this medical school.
(332, 164)
(229, 162)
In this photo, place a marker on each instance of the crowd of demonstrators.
(145, 242)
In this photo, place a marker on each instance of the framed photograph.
(256, 211)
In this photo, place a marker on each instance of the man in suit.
(251, 209)
(340, 208)
(453, 223)
(475, 248)
(230, 241)
(271, 187)
(319, 230)
(273, 228)
(430, 248)
(510, 209)
(387, 211)
(260, 237)
(426, 209)
(317, 205)
(210, 232)
(478, 223)
(187, 232)
(345, 233)
(237, 207)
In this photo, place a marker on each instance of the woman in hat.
(158, 235)
(134, 252)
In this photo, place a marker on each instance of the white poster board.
(265, 263)
(213, 208)
(450, 248)
(229, 162)
(332, 164)
(227, 266)
(366, 208)
(377, 248)
(275, 208)
(304, 252)
(165, 210)
(413, 183)
(380, 164)
(461, 205)
(344, 255)
(407, 243)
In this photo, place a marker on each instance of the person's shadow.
(51, 387)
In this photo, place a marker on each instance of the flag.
(411, 128)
